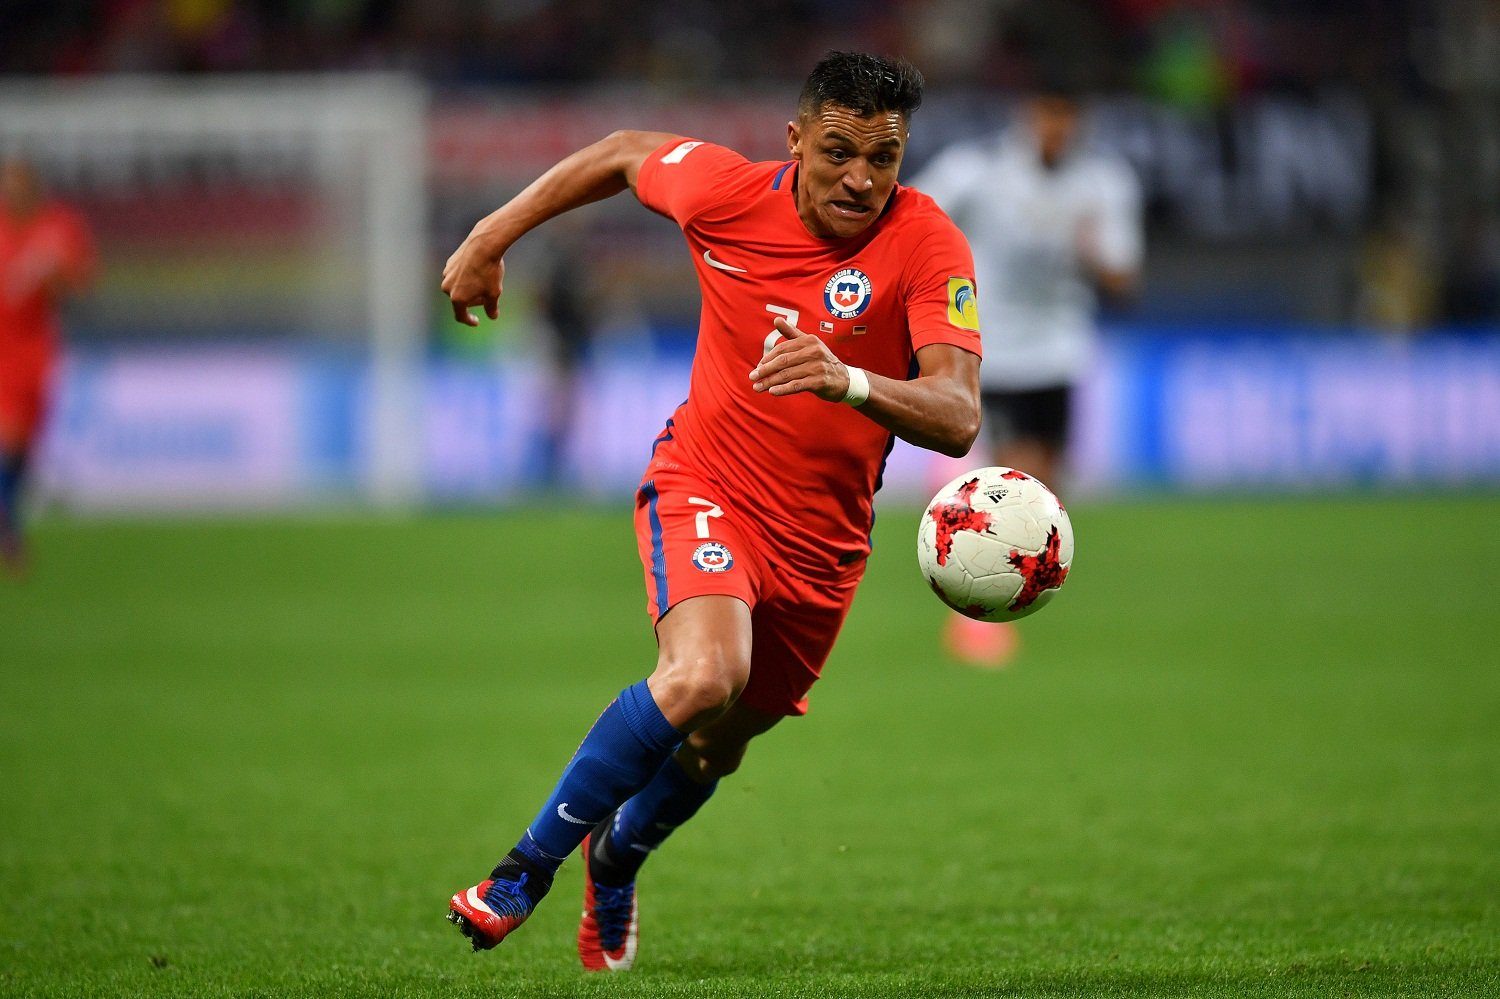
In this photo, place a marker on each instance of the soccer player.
(837, 314)
(46, 254)
(1054, 224)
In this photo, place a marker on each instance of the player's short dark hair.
(865, 84)
(1059, 84)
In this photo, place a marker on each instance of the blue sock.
(646, 820)
(10, 498)
(621, 753)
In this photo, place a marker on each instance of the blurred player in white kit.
(1054, 225)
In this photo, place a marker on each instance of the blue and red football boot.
(607, 933)
(491, 910)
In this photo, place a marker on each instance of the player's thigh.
(703, 576)
(793, 634)
(704, 659)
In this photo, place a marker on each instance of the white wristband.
(859, 386)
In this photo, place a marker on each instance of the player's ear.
(794, 138)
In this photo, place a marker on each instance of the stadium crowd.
(1426, 76)
(1194, 50)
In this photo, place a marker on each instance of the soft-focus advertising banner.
(226, 429)
(1294, 413)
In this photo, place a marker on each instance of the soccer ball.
(995, 544)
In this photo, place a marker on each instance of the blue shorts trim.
(658, 554)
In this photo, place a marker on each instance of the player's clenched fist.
(473, 276)
(800, 363)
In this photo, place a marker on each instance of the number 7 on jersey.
(714, 510)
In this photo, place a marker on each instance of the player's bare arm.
(937, 410)
(474, 275)
(1116, 283)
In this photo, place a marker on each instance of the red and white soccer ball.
(995, 544)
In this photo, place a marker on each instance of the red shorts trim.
(693, 544)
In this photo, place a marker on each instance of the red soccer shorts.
(692, 545)
(25, 377)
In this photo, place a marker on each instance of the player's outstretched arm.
(938, 410)
(1115, 281)
(475, 273)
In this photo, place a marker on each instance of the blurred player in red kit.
(46, 254)
(837, 315)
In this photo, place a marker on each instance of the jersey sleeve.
(684, 178)
(941, 297)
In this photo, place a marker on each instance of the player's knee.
(694, 689)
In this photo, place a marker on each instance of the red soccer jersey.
(32, 251)
(804, 469)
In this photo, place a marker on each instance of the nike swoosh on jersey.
(710, 261)
(562, 813)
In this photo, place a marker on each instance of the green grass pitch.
(1253, 749)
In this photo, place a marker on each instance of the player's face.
(847, 168)
(1054, 120)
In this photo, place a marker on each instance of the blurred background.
(274, 185)
(1247, 758)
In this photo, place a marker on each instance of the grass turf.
(1252, 750)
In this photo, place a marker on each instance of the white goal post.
(341, 160)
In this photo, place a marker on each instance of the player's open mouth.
(851, 209)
